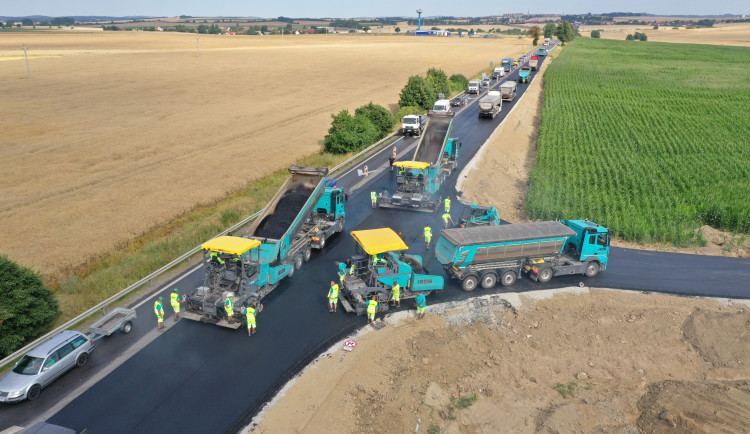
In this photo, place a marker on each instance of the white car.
(45, 364)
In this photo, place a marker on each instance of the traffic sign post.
(349, 345)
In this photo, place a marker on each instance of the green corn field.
(649, 139)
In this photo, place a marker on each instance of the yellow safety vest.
(334, 292)
(228, 306)
(396, 290)
(158, 308)
(216, 256)
(372, 306)
(175, 299)
(447, 204)
(250, 314)
(446, 216)
(428, 232)
(373, 195)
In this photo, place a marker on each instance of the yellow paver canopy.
(412, 164)
(375, 241)
(232, 245)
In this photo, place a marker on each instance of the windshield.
(440, 108)
(28, 365)
(410, 120)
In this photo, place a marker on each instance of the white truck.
(546, 41)
(413, 125)
(508, 90)
(534, 62)
(500, 70)
(490, 105)
(475, 86)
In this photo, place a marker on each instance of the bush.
(629, 37)
(417, 92)
(349, 133)
(439, 82)
(408, 110)
(596, 34)
(27, 307)
(458, 82)
(380, 116)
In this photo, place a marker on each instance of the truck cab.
(475, 86)
(475, 215)
(591, 242)
(412, 125)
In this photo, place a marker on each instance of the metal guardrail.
(167, 267)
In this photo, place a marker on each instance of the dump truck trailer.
(508, 90)
(379, 263)
(485, 254)
(304, 213)
(490, 105)
(419, 182)
(523, 74)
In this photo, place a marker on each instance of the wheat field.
(118, 132)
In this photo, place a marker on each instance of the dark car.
(495, 75)
(459, 101)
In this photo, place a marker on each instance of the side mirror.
(45, 368)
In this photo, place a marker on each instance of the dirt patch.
(122, 131)
(600, 361)
(501, 172)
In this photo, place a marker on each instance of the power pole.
(26, 55)
(197, 46)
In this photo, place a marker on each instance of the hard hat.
(175, 290)
(161, 298)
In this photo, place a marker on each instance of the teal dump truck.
(419, 181)
(380, 263)
(304, 213)
(523, 74)
(485, 254)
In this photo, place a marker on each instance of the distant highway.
(202, 378)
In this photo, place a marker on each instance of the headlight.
(15, 394)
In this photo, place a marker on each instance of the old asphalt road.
(201, 378)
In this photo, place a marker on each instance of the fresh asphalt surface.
(202, 378)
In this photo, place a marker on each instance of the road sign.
(492, 64)
(349, 345)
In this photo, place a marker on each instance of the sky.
(359, 8)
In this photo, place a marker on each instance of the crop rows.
(651, 140)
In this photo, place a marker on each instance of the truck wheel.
(298, 261)
(322, 241)
(592, 269)
(508, 278)
(34, 392)
(307, 253)
(82, 359)
(470, 283)
(291, 271)
(127, 327)
(545, 275)
(489, 280)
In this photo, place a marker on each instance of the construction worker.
(229, 308)
(175, 301)
(378, 259)
(396, 294)
(447, 217)
(250, 313)
(159, 310)
(374, 198)
(372, 308)
(427, 235)
(215, 256)
(447, 203)
(342, 272)
(333, 297)
(421, 304)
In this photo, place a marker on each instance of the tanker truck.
(485, 254)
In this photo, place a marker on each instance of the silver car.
(45, 364)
